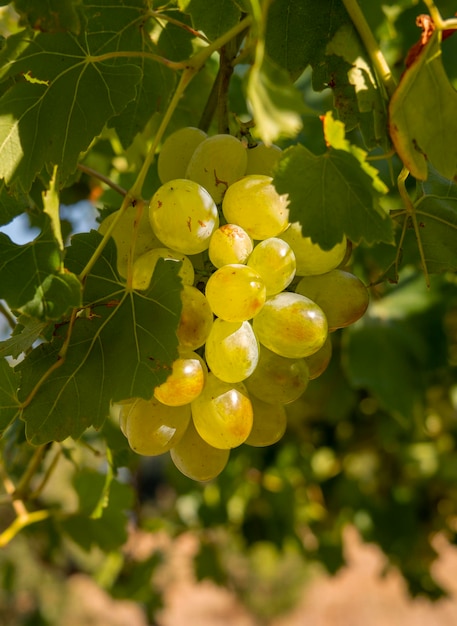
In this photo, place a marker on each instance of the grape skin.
(222, 413)
(269, 423)
(274, 260)
(232, 350)
(186, 381)
(197, 459)
(263, 159)
(235, 292)
(144, 265)
(196, 318)
(183, 216)
(229, 244)
(291, 325)
(176, 152)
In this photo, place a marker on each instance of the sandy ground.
(359, 595)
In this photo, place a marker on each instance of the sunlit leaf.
(423, 121)
(27, 331)
(121, 348)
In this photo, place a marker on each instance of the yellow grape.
(235, 292)
(309, 256)
(319, 361)
(262, 159)
(291, 325)
(269, 423)
(274, 259)
(222, 413)
(216, 163)
(186, 381)
(277, 378)
(135, 218)
(152, 427)
(232, 350)
(183, 216)
(341, 295)
(256, 206)
(176, 152)
(143, 267)
(196, 318)
(196, 459)
(229, 244)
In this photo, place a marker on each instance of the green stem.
(51, 203)
(8, 316)
(372, 47)
(104, 179)
(440, 24)
(130, 54)
(21, 522)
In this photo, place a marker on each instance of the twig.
(104, 179)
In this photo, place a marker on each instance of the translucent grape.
(185, 382)
(235, 292)
(196, 459)
(143, 267)
(319, 361)
(176, 152)
(341, 295)
(277, 379)
(183, 216)
(216, 163)
(232, 350)
(262, 159)
(229, 244)
(269, 423)
(309, 256)
(274, 260)
(153, 428)
(124, 234)
(196, 318)
(222, 413)
(256, 206)
(291, 325)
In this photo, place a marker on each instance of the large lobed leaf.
(121, 348)
(9, 404)
(66, 87)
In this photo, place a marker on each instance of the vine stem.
(438, 21)
(20, 522)
(372, 47)
(101, 177)
(30, 471)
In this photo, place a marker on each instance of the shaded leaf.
(423, 123)
(213, 18)
(331, 195)
(9, 404)
(52, 16)
(11, 205)
(55, 297)
(26, 332)
(123, 347)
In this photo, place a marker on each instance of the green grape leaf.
(27, 331)
(275, 103)
(213, 18)
(297, 32)
(11, 205)
(52, 16)
(422, 119)
(436, 214)
(91, 78)
(122, 347)
(93, 489)
(331, 195)
(175, 43)
(9, 404)
(55, 297)
(24, 268)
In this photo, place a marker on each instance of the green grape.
(341, 295)
(319, 361)
(229, 244)
(216, 163)
(309, 256)
(144, 266)
(277, 378)
(235, 292)
(152, 427)
(196, 459)
(183, 216)
(262, 159)
(127, 230)
(176, 152)
(118, 413)
(232, 350)
(196, 318)
(222, 413)
(291, 325)
(186, 381)
(256, 206)
(269, 423)
(274, 260)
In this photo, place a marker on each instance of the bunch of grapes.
(256, 329)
